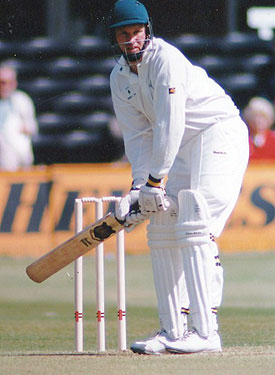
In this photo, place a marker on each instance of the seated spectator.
(259, 116)
(17, 123)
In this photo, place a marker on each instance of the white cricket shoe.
(192, 342)
(152, 345)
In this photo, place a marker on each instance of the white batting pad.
(170, 289)
(168, 272)
(198, 260)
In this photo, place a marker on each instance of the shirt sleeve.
(169, 109)
(26, 110)
(137, 135)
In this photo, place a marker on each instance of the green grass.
(37, 325)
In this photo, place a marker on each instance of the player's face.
(131, 38)
(260, 122)
(7, 83)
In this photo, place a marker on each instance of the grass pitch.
(37, 323)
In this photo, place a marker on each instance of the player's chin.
(133, 51)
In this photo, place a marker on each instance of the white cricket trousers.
(213, 162)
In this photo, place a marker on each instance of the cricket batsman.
(178, 126)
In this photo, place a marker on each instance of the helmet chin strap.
(135, 58)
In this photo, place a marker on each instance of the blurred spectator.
(17, 123)
(259, 116)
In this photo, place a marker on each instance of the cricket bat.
(73, 248)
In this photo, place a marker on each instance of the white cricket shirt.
(161, 108)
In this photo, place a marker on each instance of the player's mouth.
(132, 49)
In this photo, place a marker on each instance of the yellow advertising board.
(251, 225)
(37, 208)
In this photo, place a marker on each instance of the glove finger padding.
(134, 218)
(152, 199)
(123, 207)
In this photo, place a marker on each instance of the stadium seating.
(241, 62)
(77, 102)
(90, 46)
(98, 122)
(69, 83)
(26, 69)
(193, 45)
(45, 86)
(67, 66)
(56, 123)
(216, 65)
(45, 91)
(9, 49)
(76, 147)
(257, 63)
(47, 149)
(242, 43)
(42, 48)
(83, 147)
(240, 86)
(97, 84)
(104, 66)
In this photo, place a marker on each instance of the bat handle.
(133, 207)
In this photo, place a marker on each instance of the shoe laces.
(188, 334)
(161, 332)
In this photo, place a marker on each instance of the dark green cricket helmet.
(128, 12)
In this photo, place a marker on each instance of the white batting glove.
(123, 207)
(152, 198)
(134, 218)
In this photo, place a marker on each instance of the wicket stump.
(100, 287)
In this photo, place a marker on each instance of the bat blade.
(73, 248)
